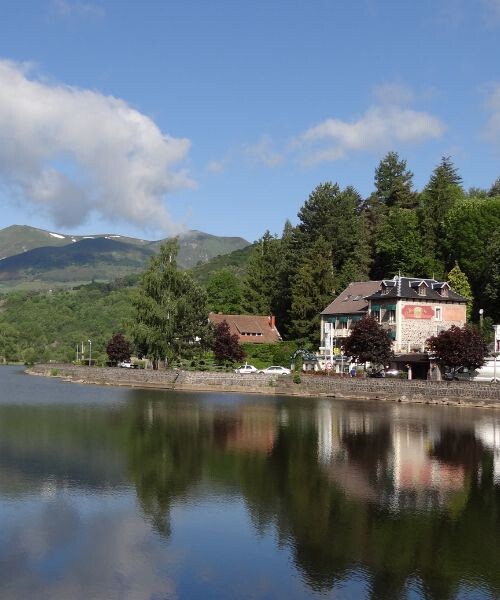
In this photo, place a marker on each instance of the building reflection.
(401, 464)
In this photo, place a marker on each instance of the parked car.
(275, 370)
(245, 369)
(126, 364)
(486, 373)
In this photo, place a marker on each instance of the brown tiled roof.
(353, 299)
(249, 328)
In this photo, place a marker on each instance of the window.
(385, 289)
(422, 290)
(376, 315)
(439, 314)
(392, 316)
(343, 324)
(444, 292)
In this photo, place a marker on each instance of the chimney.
(272, 323)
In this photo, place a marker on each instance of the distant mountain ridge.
(31, 257)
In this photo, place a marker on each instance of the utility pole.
(90, 352)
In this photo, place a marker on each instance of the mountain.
(35, 258)
(236, 261)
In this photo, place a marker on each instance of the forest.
(442, 231)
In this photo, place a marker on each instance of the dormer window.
(384, 290)
(422, 289)
(444, 292)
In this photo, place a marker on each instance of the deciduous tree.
(118, 349)
(369, 342)
(226, 347)
(171, 314)
(224, 293)
(459, 347)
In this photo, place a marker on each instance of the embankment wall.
(396, 390)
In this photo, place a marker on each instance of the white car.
(275, 370)
(245, 369)
(125, 364)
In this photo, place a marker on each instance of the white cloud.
(381, 127)
(393, 93)
(263, 152)
(72, 152)
(217, 166)
(492, 131)
(71, 8)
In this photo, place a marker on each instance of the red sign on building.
(412, 311)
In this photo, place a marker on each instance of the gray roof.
(407, 287)
(353, 299)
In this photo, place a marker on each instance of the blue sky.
(142, 118)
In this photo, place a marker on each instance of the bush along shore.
(395, 390)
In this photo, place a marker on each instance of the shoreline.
(440, 393)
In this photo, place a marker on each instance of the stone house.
(411, 309)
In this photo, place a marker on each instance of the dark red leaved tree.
(459, 347)
(118, 349)
(369, 342)
(226, 347)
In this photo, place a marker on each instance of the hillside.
(37, 259)
(236, 261)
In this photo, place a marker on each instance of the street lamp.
(90, 352)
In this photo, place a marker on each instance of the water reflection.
(191, 496)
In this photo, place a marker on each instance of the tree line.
(442, 231)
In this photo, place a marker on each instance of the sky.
(150, 118)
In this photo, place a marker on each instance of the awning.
(375, 308)
(356, 318)
(342, 319)
(390, 307)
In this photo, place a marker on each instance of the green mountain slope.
(236, 261)
(32, 258)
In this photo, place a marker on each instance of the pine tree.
(312, 291)
(440, 195)
(287, 267)
(171, 314)
(399, 245)
(334, 214)
(261, 285)
(460, 284)
(494, 190)
(394, 183)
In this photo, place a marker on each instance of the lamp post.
(481, 313)
(90, 352)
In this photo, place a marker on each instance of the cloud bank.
(72, 153)
(381, 127)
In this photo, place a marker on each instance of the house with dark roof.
(411, 309)
(255, 329)
(414, 309)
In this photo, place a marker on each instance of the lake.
(109, 493)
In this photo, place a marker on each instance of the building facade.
(410, 309)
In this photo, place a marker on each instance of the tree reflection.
(400, 504)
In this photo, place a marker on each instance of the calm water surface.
(120, 494)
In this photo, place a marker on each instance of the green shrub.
(296, 377)
(54, 372)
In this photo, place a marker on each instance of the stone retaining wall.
(399, 390)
